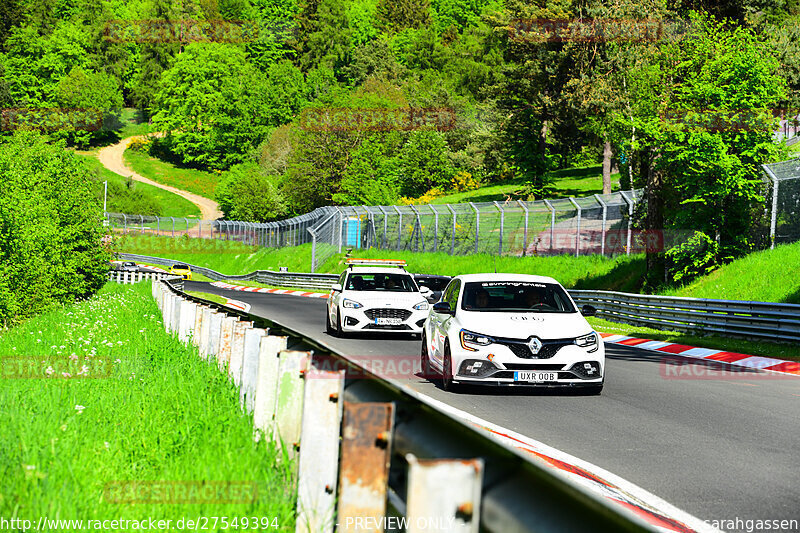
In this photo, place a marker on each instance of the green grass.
(767, 276)
(167, 204)
(159, 414)
(208, 296)
(199, 182)
(132, 123)
(582, 181)
(765, 349)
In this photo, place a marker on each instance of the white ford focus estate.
(511, 329)
(375, 296)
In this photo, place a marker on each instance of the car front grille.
(402, 314)
(548, 350)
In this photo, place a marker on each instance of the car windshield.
(180, 267)
(381, 282)
(517, 297)
(434, 284)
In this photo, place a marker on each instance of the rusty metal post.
(318, 465)
(367, 430)
(252, 343)
(267, 384)
(443, 494)
(292, 367)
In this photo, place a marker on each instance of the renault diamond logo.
(534, 345)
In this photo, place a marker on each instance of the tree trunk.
(654, 223)
(607, 167)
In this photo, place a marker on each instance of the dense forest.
(281, 97)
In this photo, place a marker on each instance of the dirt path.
(111, 158)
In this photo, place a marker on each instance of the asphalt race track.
(718, 448)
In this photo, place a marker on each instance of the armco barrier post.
(367, 430)
(318, 463)
(175, 319)
(237, 351)
(205, 327)
(292, 367)
(225, 342)
(252, 344)
(214, 335)
(444, 491)
(267, 384)
(198, 325)
(186, 325)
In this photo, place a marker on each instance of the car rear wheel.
(447, 371)
(328, 327)
(427, 369)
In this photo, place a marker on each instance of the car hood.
(524, 325)
(386, 299)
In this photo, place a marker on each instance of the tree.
(244, 193)
(95, 92)
(398, 15)
(214, 106)
(371, 178)
(424, 163)
(50, 231)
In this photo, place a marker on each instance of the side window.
(451, 296)
(341, 278)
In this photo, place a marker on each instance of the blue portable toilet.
(353, 232)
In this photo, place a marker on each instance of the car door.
(335, 299)
(441, 323)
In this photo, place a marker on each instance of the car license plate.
(535, 377)
(388, 321)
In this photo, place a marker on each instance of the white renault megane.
(511, 329)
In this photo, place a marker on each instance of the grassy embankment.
(582, 181)
(154, 412)
(193, 180)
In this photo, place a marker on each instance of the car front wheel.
(328, 327)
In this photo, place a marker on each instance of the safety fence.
(597, 224)
(783, 201)
(756, 320)
(125, 277)
(368, 447)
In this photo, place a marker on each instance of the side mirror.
(588, 310)
(424, 290)
(336, 287)
(443, 308)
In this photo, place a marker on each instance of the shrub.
(50, 231)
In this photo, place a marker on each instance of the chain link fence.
(783, 201)
(597, 224)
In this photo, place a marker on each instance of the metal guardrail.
(396, 445)
(301, 280)
(757, 320)
(746, 319)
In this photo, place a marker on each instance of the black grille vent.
(402, 314)
(548, 350)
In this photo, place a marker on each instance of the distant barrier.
(757, 320)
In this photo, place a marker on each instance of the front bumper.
(363, 320)
(570, 366)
